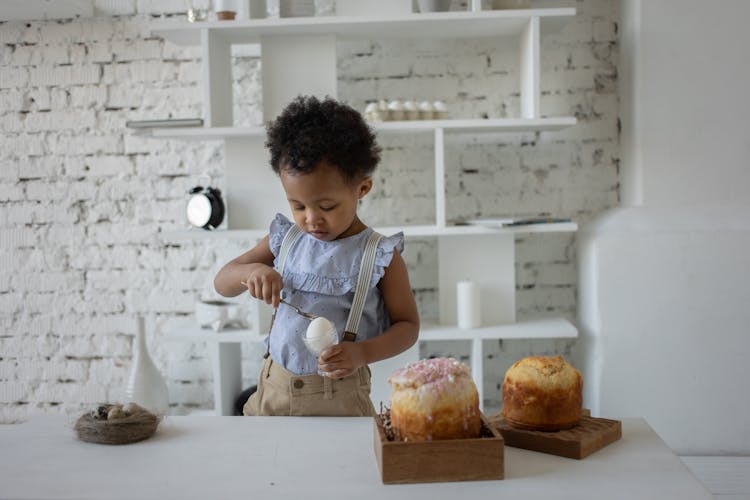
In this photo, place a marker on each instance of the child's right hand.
(264, 283)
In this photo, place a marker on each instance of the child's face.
(323, 204)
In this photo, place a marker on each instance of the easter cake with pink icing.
(434, 399)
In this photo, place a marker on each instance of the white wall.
(82, 199)
(664, 284)
(685, 75)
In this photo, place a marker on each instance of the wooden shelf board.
(202, 412)
(455, 24)
(559, 227)
(458, 125)
(192, 332)
(180, 235)
(548, 328)
(428, 230)
(202, 133)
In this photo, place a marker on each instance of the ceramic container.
(440, 110)
(226, 10)
(218, 314)
(396, 111)
(426, 111)
(146, 385)
(372, 113)
(411, 110)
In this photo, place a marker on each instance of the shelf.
(217, 234)
(202, 412)
(462, 24)
(459, 125)
(192, 332)
(227, 363)
(415, 126)
(256, 234)
(551, 328)
(531, 329)
(560, 227)
(202, 133)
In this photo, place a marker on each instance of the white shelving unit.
(226, 359)
(298, 56)
(497, 125)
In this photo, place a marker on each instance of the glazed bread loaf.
(434, 399)
(542, 393)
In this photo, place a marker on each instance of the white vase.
(146, 386)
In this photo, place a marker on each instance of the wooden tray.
(440, 460)
(590, 435)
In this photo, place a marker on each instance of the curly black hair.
(310, 130)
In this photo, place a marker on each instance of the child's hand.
(264, 283)
(341, 360)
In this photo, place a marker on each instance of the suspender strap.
(363, 283)
(290, 238)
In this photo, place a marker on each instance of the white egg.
(320, 334)
(116, 412)
(130, 408)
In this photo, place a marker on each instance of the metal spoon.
(299, 311)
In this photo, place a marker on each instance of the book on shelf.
(165, 123)
(511, 221)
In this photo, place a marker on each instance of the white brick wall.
(82, 199)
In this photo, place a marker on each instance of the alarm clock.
(205, 207)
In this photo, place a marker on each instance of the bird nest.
(116, 424)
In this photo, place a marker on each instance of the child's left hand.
(341, 360)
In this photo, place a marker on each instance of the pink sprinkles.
(426, 371)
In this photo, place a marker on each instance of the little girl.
(328, 263)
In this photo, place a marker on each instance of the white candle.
(468, 304)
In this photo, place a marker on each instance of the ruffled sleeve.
(384, 255)
(334, 270)
(279, 227)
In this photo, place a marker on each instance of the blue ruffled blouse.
(320, 277)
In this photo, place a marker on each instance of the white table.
(308, 457)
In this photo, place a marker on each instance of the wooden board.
(440, 460)
(590, 435)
